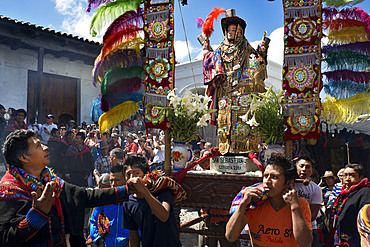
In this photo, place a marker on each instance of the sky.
(69, 16)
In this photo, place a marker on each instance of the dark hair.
(33, 120)
(289, 170)
(306, 157)
(16, 144)
(117, 168)
(69, 133)
(53, 131)
(81, 134)
(137, 160)
(196, 151)
(2, 107)
(22, 111)
(359, 169)
(14, 111)
(118, 152)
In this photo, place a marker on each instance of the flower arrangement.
(267, 116)
(185, 114)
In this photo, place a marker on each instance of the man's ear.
(289, 182)
(23, 158)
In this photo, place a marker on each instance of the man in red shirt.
(131, 146)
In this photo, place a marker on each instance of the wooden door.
(58, 95)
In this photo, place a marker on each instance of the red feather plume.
(126, 21)
(120, 37)
(208, 23)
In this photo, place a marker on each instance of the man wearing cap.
(231, 74)
(47, 128)
(131, 146)
(102, 163)
(71, 125)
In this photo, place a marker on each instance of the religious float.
(137, 72)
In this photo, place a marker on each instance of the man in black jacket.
(37, 207)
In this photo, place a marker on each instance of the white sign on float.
(232, 164)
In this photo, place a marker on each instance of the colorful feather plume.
(116, 74)
(345, 59)
(345, 13)
(115, 115)
(120, 37)
(113, 99)
(109, 12)
(344, 89)
(126, 22)
(359, 47)
(200, 22)
(346, 110)
(208, 23)
(348, 75)
(96, 3)
(338, 3)
(96, 111)
(348, 35)
(338, 24)
(119, 58)
(133, 44)
(125, 85)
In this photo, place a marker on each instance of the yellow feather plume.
(348, 35)
(346, 110)
(118, 113)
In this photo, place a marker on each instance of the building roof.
(19, 34)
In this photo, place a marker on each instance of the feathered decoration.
(113, 99)
(200, 22)
(116, 74)
(119, 58)
(345, 13)
(133, 44)
(125, 85)
(359, 47)
(104, 105)
(96, 111)
(338, 24)
(120, 37)
(109, 12)
(127, 21)
(344, 89)
(348, 35)
(345, 59)
(115, 115)
(338, 3)
(343, 75)
(208, 23)
(346, 110)
(95, 3)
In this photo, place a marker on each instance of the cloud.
(76, 21)
(181, 50)
(276, 48)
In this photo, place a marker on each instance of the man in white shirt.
(47, 128)
(312, 192)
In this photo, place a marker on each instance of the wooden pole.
(167, 153)
(289, 149)
(348, 159)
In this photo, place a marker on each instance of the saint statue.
(232, 72)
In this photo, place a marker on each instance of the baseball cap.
(50, 116)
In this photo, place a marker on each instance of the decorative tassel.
(358, 47)
(200, 22)
(346, 110)
(117, 74)
(338, 3)
(293, 12)
(115, 115)
(163, 15)
(109, 12)
(158, 52)
(344, 89)
(348, 35)
(345, 59)
(133, 44)
(208, 23)
(348, 75)
(156, 98)
(119, 58)
(304, 59)
(127, 21)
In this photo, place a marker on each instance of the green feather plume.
(117, 73)
(109, 12)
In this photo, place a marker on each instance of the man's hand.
(251, 194)
(45, 201)
(138, 184)
(290, 196)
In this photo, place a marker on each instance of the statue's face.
(231, 32)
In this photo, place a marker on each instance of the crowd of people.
(44, 193)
